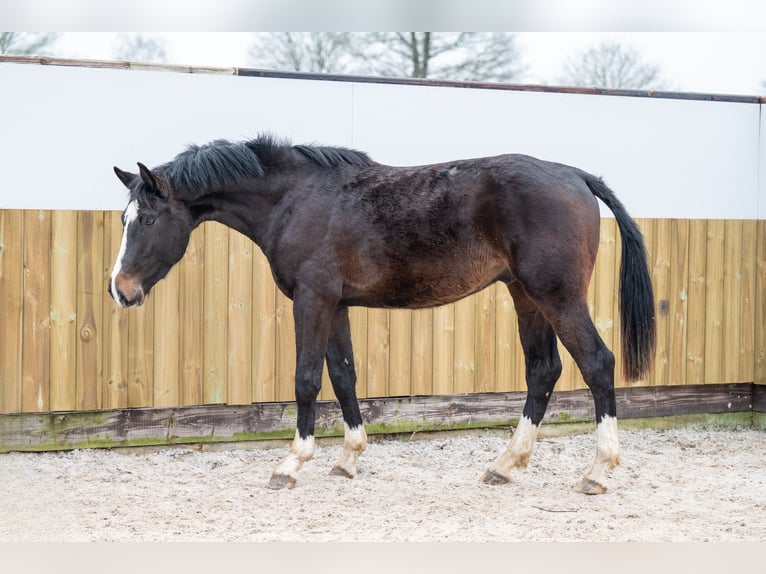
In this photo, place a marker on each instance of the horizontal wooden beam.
(222, 423)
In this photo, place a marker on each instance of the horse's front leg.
(340, 364)
(313, 316)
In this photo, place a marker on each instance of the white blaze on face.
(131, 214)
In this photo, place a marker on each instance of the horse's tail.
(636, 293)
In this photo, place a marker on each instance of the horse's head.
(155, 233)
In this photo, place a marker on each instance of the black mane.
(221, 162)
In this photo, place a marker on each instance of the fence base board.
(276, 421)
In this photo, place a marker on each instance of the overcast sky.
(712, 46)
(710, 62)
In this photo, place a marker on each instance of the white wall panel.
(664, 158)
(63, 128)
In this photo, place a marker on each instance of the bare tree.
(611, 65)
(319, 52)
(140, 48)
(475, 56)
(26, 43)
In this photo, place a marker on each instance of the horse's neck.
(244, 208)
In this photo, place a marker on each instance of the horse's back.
(429, 235)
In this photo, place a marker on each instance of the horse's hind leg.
(340, 365)
(596, 363)
(543, 368)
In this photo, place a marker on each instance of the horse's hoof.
(340, 471)
(280, 481)
(589, 486)
(493, 478)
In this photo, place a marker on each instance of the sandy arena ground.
(673, 485)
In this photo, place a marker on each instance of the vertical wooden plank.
(444, 350)
(760, 305)
(191, 314)
(604, 286)
(35, 335)
(141, 354)
(215, 314)
(400, 357)
(732, 301)
(63, 310)
(714, 301)
(484, 381)
(422, 351)
(285, 350)
(358, 320)
(679, 296)
(114, 394)
(90, 291)
(11, 303)
(240, 320)
(166, 391)
(569, 371)
(465, 345)
(696, 303)
(264, 330)
(377, 352)
(507, 336)
(661, 279)
(748, 311)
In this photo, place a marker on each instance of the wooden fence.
(216, 330)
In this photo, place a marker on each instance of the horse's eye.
(149, 221)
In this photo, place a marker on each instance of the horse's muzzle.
(125, 291)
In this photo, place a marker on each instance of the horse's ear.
(153, 182)
(124, 176)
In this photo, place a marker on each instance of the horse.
(341, 230)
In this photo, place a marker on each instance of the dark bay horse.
(339, 229)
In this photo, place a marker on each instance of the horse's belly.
(429, 284)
